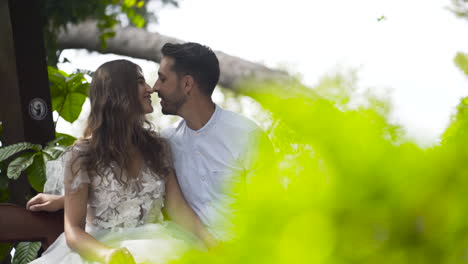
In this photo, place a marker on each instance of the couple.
(121, 175)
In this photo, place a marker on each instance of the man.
(212, 148)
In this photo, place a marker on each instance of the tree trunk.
(139, 43)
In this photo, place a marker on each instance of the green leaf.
(8, 151)
(72, 105)
(138, 21)
(68, 93)
(107, 22)
(54, 151)
(46, 156)
(52, 70)
(140, 4)
(82, 89)
(55, 141)
(58, 99)
(19, 164)
(130, 13)
(36, 173)
(66, 140)
(461, 60)
(57, 80)
(26, 252)
(104, 36)
(57, 88)
(74, 81)
(108, 34)
(129, 3)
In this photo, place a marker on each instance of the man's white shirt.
(209, 160)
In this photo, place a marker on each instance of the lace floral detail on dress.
(112, 205)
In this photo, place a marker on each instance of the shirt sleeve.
(55, 170)
(259, 159)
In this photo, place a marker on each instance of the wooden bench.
(18, 224)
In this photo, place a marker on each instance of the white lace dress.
(121, 216)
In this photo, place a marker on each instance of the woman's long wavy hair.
(116, 123)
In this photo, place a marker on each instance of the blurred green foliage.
(459, 8)
(461, 60)
(354, 189)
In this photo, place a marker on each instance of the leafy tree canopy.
(56, 14)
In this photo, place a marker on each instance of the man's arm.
(180, 212)
(46, 202)
(259, 159)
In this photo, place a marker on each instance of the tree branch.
(139, 43)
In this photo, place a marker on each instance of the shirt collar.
(208, 124)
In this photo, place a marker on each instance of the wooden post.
(25, 108)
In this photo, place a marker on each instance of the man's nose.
(155, 88)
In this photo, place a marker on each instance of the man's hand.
(209, 239)
(45, 202)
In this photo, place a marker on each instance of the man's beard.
(172, 107)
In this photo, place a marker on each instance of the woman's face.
(144, 93)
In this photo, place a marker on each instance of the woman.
(117, 180)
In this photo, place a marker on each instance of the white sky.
(410, 52)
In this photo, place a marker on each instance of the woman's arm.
(80, 241)
(179, 211)
(77, 239)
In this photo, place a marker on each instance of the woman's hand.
(45, 202)
(120, 256)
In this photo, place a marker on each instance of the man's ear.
(189, 84)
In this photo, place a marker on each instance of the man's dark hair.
(196, 60)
